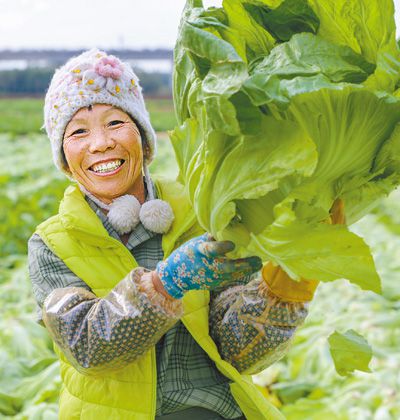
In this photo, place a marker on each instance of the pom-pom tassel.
(157, 216)
(124, 213)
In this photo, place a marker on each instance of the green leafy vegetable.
(368, 27)
(257, 38)
(291, 17)
(272, 133)
(350, 351)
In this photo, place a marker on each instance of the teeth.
(107, 167)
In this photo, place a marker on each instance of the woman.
(149, 317)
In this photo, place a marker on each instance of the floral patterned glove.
(201, 264)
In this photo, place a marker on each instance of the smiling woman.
(112, 270)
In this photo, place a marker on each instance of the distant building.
(28, 72)
(158, 60)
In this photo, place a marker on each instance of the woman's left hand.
(201, 264)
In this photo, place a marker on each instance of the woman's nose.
(100, 141)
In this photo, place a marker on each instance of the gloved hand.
(201, 264)
(281, 285)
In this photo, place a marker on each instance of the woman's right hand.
(201, 264)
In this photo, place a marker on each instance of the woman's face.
(103, 149)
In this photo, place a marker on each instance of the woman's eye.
(115, 122)
(79, 131)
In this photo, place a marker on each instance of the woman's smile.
(107, 167)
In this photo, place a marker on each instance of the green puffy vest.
(77, 236)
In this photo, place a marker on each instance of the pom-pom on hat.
(91, 78)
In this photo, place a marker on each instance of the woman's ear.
(65, 163)
(146, 148)
(67, 170)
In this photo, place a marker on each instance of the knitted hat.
(94, 78)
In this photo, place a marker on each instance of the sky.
(88, 23)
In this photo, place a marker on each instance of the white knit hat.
(94, 78)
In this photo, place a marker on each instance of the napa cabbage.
(284, 107)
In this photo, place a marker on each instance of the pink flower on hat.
(109, 67)
(106, 72)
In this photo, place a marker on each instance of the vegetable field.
(305, 385)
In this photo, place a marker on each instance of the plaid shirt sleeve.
(47, 272)
(98, 334)
(252, 327)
